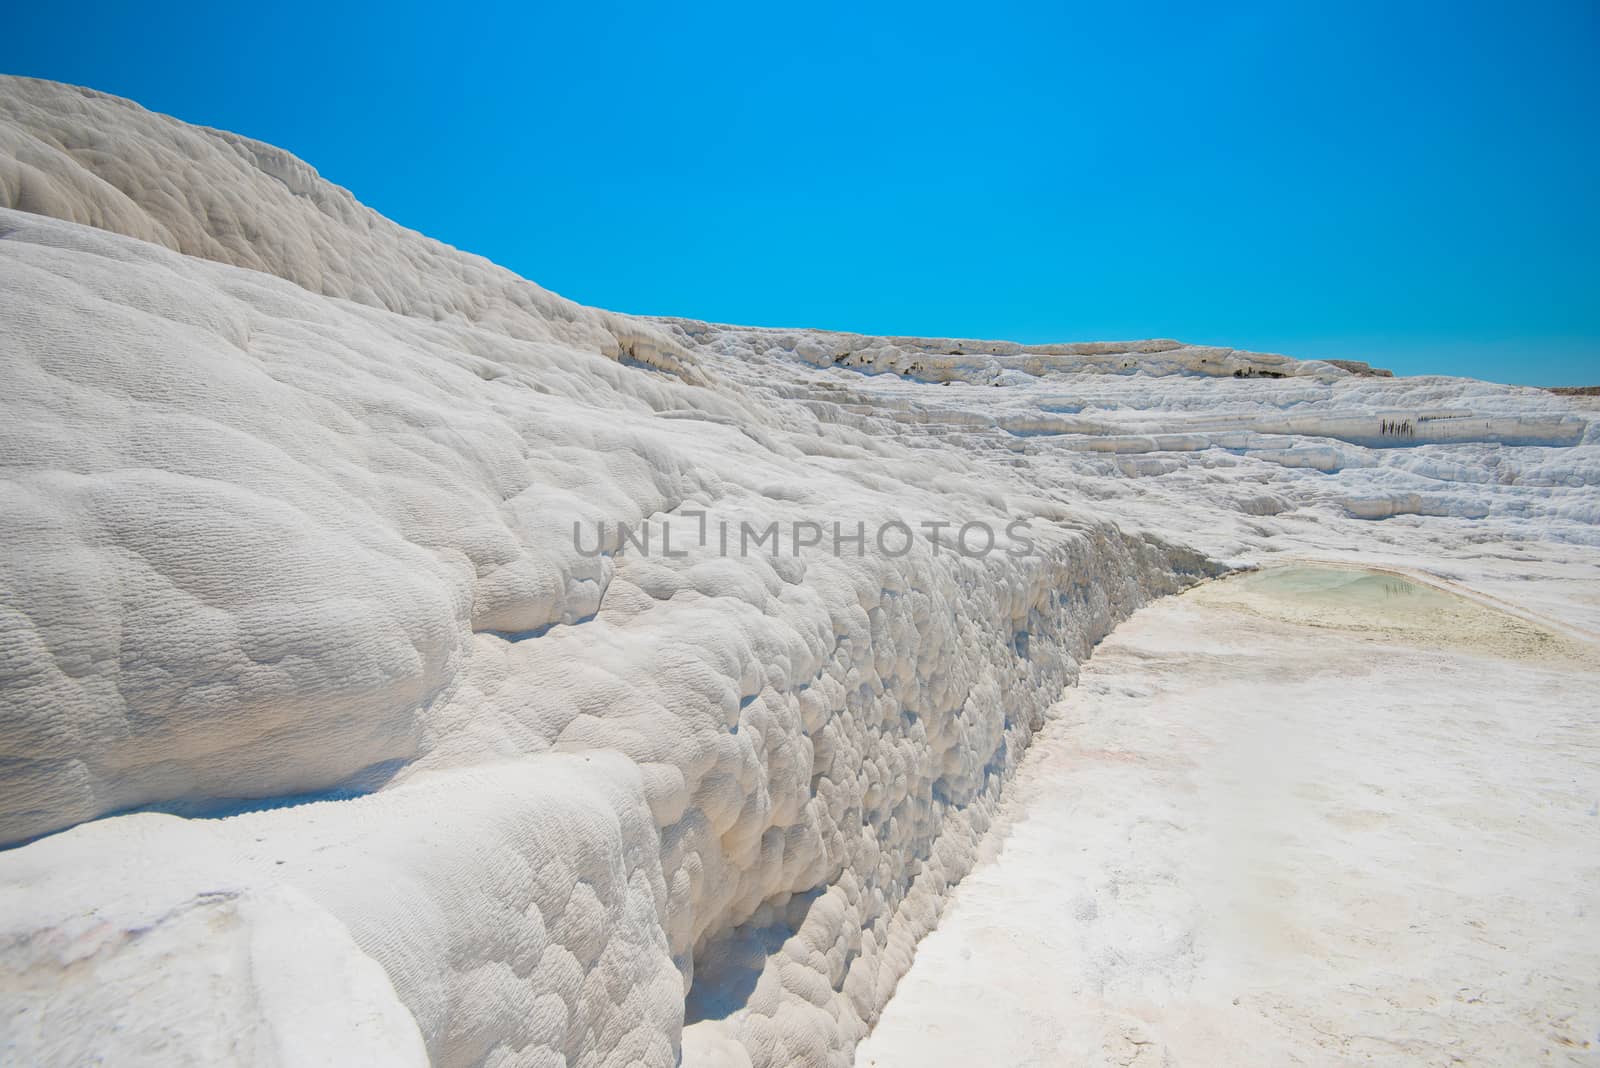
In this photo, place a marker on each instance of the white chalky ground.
(1302, 817)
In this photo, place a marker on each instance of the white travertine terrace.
(321, 737)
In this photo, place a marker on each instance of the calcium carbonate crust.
(288, 507)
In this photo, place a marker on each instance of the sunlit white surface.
(287, 513)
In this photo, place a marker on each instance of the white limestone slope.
(289, 498)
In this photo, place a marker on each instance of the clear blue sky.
(1409, 183)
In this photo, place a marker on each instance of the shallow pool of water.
(1385, 607)
(1362, 591)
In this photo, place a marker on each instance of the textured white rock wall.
(516, 913)
(264, 544)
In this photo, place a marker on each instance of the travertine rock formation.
(322, 550)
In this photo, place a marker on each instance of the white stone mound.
(312, 552)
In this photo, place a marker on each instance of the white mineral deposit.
(402, 664)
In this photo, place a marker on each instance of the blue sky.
(1408, 183)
